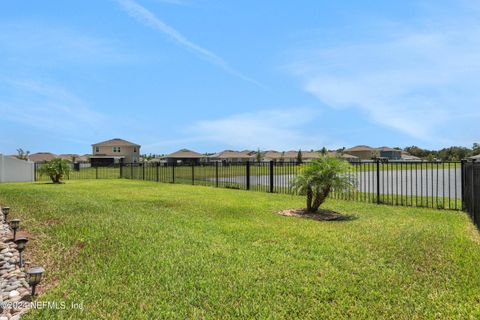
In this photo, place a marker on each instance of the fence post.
(271, 176)
(131, 170)
(173, 171)
(216, 174)
(143, 170)
(248, 175)
(35, 171)
(158, 169)
(121, 169)
(462, 191)
(96, 172)
(378, 181)
(193, 173)
(474, 216)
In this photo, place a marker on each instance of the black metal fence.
(79, 172)
(471, 190)
(417, 184)
(440, 185)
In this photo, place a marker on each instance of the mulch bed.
(320, 215)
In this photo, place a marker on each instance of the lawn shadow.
(50, 183)
(320, 215)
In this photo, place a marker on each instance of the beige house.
(344, 156)
(233, 156)
(184, 156)
(272, 155)
(408, 157)
(72, 157)
(290, 156)
(367, 153)
(114, 151)
(362, 152)
(41, 157)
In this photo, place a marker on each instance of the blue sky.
(215, 74)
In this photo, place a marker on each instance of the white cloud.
(268, 129)
(47, 107)
(148, 18)
(33, 44)
(175, 2)
(422, 83)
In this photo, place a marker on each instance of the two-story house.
(113, 152)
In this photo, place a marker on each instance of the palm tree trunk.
(320, 198)
(309, 199)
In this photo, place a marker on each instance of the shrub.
(56, 169)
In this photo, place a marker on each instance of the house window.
(134, 149)
(116, 149)
(97, 149)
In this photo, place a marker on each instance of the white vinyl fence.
(15, 170)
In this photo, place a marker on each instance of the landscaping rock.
(13, 293)
(13, 287)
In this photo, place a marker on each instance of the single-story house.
(114, 151)
(389, 153)
(184, 156)
(345, 156)
(228, 156)
(272, 155)
(408, 157)
(84, 158)
(72, 157)
(362, 152)
(290, 156)
(41, 157)
(367, 153)
(476, 158)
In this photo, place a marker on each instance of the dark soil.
(320, 215)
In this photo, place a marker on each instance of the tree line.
(453, 153)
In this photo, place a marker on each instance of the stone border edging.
(14, 288)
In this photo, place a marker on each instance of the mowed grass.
(143, 250)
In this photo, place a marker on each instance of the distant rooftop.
(185, 154)
(477, 157)
(225, 154)
(360, 148)
(117, 142)
(42, 156)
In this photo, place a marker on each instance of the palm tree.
(22, 154)
(56, 169)
(318, 178)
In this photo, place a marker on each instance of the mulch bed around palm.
(320, 215)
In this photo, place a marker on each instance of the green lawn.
(143, 250)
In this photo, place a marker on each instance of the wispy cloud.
(175, 2)
(146, 17)
(33, 44)
(282, 129)
(420, 82)
(50, 108)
